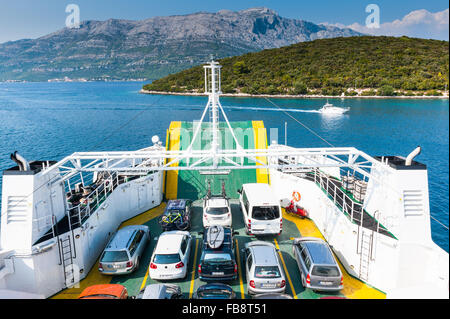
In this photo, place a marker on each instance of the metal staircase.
(67, 260)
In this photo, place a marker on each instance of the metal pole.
(285, 133)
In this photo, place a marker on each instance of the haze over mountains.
(152, 48)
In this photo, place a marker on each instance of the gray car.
(123, 252)
(318, 268)
(160, 291)
(263, 268)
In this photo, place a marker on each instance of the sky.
(34, 18)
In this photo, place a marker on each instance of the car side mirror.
(239, 191)
(235, 233)
(200, 232)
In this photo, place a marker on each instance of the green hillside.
(330, 67)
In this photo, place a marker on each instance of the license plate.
(268, 285)
(218, 273)
(326, 283)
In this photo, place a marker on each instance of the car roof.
(169, 242)
(319, 252)
(264, 255)
(226, 245)
(107, 289)
(176, 204)
(122, 237)
(215, 285)
(154, 291)
(260, 194)
(217, 202)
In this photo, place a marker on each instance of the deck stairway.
(352, 208)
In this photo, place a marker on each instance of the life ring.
(296, 195)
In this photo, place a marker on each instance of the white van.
(261, 210)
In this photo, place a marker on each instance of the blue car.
(217, 261)
(177, 215)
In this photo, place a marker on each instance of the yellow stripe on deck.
(95, 277)
(353, 288)
(194, 265)
(171, 181)
(260, 138)
(286, 270)
(241, 283)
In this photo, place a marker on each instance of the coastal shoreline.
(304, 96)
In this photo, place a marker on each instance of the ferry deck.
(191, 185)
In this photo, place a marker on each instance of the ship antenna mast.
(213, 90)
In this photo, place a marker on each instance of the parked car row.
(263, 268)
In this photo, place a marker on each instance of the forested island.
(346, 66)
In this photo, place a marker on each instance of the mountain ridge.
(153, 47)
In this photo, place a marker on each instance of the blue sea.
(47, 121)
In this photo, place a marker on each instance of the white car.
(171, 255)
(216, 211)
(263, 268)
(260, 209)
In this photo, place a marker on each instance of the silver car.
(263, 269)
(318, 268)
(124, 250)
(160, 291)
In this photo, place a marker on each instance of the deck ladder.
(365, 254)
(67, 261)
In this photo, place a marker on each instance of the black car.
(217, 262)
(177, 215)
(215, 291)
(272, 296)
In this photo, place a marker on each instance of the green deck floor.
(193, 185)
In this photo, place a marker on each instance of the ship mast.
(213, 90)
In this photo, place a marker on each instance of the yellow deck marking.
(353, 288)
(241, 283)
(191, 289)
(260, 137)
(294, 294)
(173, 145)
(145, 279)
(95, 277)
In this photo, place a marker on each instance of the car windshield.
(267, 272)
(217, 210)
(215, 294)
(326, 271)
(114, 256)
(266, 212)
(217, 257)
(166, 259)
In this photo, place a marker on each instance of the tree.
(386, 90)
(240, 68)
(300, 88)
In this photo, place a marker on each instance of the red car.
(110, 291)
